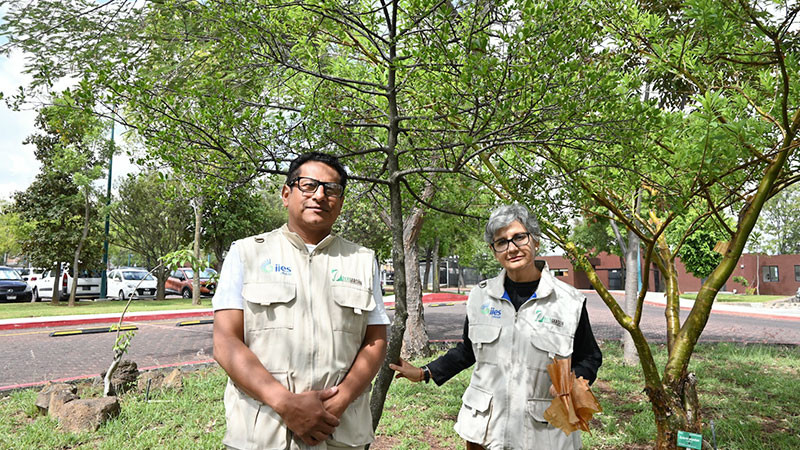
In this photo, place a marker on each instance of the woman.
(516, 323)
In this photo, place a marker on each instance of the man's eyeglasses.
(310, 185)
(501, 245)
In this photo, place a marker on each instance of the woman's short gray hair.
(504, 215)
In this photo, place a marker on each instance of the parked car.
(797, 295)
(30, 275)
(12, 287)
(180, 282)
(124, 282)
(88, 284)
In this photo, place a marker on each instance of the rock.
(155, 378)
(53, 396)
(173, 380)
(86, 414)
(124, 378)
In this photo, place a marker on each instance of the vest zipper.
(509, 379)
(309, 296)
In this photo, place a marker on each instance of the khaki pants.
(473, 446)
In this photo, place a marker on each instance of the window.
(563, 272)
(796, 273)
(770, 273)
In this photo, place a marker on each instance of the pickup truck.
(88, 284)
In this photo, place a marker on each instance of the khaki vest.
(305, 317)
(508, 393)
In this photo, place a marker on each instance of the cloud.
(19, 166)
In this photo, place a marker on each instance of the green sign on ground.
(690, 440)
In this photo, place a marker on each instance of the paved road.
(446, 322)
(31, 356)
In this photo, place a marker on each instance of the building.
(771, 274)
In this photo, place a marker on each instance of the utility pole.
(104, 277)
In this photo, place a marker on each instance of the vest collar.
(496, 289)
(300, 244)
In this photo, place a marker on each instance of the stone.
(155, 379)
(124, 377)
(173, 380)
(53, 396)
(86, 414)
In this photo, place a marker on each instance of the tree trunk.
(428, 252)
(198, 217)
(75, 268)
(415, 340)
(435, 287)
(56, 284)
(460, 280)
(630, 356)
(675, 409)
(161, 281)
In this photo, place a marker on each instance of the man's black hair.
(332, 161)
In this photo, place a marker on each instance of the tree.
(729, 147)
(244, 212)
(10, 224)
(779, 222)
(401, 90)
(58, 206)
(151, 218)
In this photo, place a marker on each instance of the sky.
(19, 166)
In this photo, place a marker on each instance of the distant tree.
(778, 225)
(59, 207)
(242, 212)
(10, 224)
(150, 217)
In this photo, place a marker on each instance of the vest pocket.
(355, 428)
(536, 409)
(353, 304)
(252, 424)
(473, 418)
(539, 430)
(483, 339)
(270, 303)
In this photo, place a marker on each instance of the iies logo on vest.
(336, 275)
(489, 310)
(269, 267)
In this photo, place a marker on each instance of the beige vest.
(305, 317)
(504, 403)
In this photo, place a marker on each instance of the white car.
(31, 275)
(123, 283)
(88, 284)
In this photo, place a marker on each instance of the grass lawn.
(748, 391)
(42, 309)
(741, 298)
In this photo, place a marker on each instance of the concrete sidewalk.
(776, 309)
(780, 310)
(83, 319)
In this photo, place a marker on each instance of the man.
(299, 324)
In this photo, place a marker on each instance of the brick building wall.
(774, 274)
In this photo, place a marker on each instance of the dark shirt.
(586, 355)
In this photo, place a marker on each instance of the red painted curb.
(439, 297)
(443, 297)
(90, 320)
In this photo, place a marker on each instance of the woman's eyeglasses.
(501, 245)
